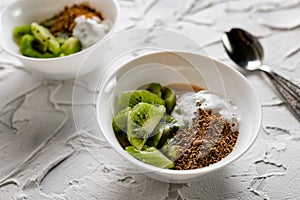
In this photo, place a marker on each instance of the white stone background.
(44, 156)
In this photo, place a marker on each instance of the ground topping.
(65, 21)
(207, 141)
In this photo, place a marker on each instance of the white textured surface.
(44, 156)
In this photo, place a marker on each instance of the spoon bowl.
(247, 52)
(243, 48)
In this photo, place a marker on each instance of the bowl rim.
(198, 171)
(20, 56)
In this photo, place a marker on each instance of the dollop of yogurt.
(187, 106)
(90, 30)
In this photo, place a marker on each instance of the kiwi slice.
(119, 125)
(45, 37)
(155, 88)
(27, 48)
(166, 127)
(138, 143)
(152, 156)
(19, 31)
(70, 46)
(132, 98)
(121, 119)
(143, 119)
(170, 99)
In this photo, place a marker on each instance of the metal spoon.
(246, 51)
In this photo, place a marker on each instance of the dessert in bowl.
(203, 91)
(65, 64)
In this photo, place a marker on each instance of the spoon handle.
(289, 91)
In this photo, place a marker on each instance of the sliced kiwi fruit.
(155, 88)
(152, 156)
(70, 46)
(138, 143)
(131, 98)
(119, 124)
(143, 119)
(167, 126)
(170, 98)
(27, 48)
(45, 37)
(19, 31)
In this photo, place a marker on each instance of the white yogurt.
(89, 30)
(187, 106)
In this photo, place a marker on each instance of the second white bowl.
(27, 11)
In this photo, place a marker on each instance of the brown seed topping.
(207, 141)
(65, 21)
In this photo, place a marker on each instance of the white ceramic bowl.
(167, 67)
(23, 12)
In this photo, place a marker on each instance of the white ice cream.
(90, 30)
(186, 107)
